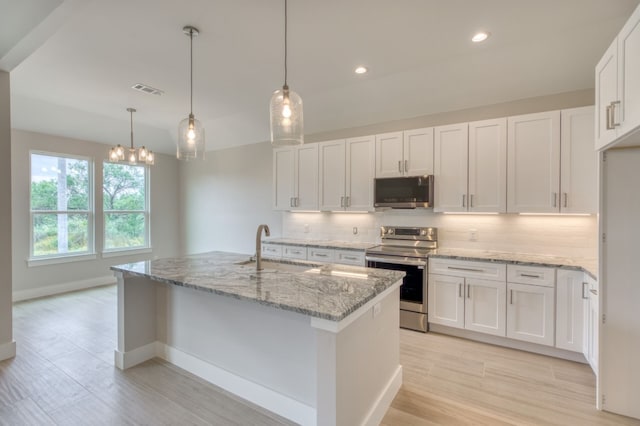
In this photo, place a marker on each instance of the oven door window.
(412, 288)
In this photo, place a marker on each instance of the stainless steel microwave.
(403, 192)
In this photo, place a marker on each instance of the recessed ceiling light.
(361, 70)
(480, 37)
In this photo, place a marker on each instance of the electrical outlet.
(473, 235)
(355, 230)
(306, 228)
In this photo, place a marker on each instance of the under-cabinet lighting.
(472, 213)
(349, 211)
(555, 214)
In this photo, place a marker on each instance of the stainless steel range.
(407, 249)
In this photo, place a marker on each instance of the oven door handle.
(396, 260)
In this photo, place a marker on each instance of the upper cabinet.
(618, 87)
(578, 162)
(295, 178)
(408, 153)
(533, 166)
(346, 174)
(470, 167)
(451, 162)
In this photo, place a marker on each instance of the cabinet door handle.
(530, 275)
(554, 196)
(464, 198)
(400, 166)
(511, 297)
(341, 201)
(347, 201)
(613, 114)
(460, 268)
(468, 291)
(585, 285)
(406, 166)
(566, 200)
(609, 124)
(460, 290)
(291, 202)
(471, 200)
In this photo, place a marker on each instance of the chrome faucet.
(259, 245)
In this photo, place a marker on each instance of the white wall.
(7, 348)
(225, 198)
(48, 279)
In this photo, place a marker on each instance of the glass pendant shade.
(142, 154)
(286, 118)
(151, 158)
(190, 139)
(133, 156)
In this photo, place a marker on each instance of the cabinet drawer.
(350, 257)
(465, 268)
(535, 275)
(320, 254)
(294, 252)
(271, 250)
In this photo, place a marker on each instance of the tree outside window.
(61, 206)
(125, 203)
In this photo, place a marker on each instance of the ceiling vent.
(147, 89)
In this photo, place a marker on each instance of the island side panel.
(261, 353)
(136, 320)
(359, 370)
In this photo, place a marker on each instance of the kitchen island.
(315, 343)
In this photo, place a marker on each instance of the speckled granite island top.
(589, 266)
(324, 291)
(329, 244)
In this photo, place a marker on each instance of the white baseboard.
(383, 402)
(62, 288)
(124, 360)
(257, 394)
(7, 350)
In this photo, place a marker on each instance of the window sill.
(60, 259)
(126, 252)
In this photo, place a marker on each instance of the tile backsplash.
(572, 236)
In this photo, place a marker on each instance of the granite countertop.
(329, 244)
(325, 291)
(589, 266)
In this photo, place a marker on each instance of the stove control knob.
(390, 231)
(423, 232)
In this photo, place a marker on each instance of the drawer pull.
(511, 297)
(459, 268)
(350, 257)
(320, 255)
(585, 285)
(530, 276)
(468, 291)
(459, 290)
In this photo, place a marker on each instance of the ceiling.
(73, 62)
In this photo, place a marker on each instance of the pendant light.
(286, 108)
(133, 156)
(190, 130)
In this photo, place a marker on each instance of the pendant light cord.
(191, 61)
(285, 43)
(131, 112)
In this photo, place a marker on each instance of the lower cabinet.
(530, 313)
(463, 299)
(316, 254)
(591, 318)
(572, 301)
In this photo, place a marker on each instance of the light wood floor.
(64, 374)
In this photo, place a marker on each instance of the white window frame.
(90, 253)
(146, 248)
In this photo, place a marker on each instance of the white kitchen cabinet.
(320, 254)
(578, 162)
(346, 174)
(273, 251)
(592, 324)
(464, 298)
(488, 166)
(571, 293)
(451, 168)
(618, 86)
(295, 178)
(485, 306)
(533, 163)
(408, 153)
(294, 252)
(445, 302)
(350, 257)
(531, 303)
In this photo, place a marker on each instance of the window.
(126, 207)
(61, 200)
